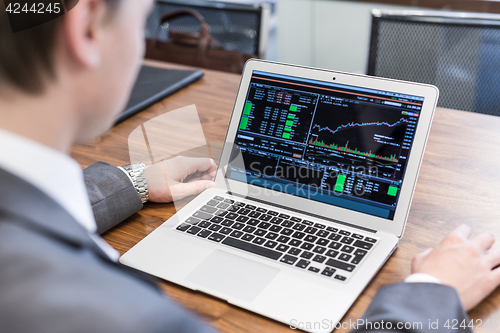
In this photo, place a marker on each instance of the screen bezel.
(395, 226)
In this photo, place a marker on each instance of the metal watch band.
(136, 172)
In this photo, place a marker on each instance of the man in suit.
(65, 82)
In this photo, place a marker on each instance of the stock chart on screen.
(343, 145)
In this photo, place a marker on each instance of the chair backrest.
(238, 27)
(457, 52)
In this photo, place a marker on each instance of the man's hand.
(464, 264)
(179, 177)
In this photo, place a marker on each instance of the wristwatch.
(136, 173)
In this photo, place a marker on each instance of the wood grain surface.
(459, 182)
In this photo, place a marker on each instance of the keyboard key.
(272, 213)
(208, 209)
(217, 219)
(328, 271)
(319, 258)
(183, 227)
(239, 204)
(265, 218)
(307, 222)
(282, 247)
(193, 230)
(295, 242)
(204, 224)
(335, 237)
(231, 216)
(244, 211)
(294, 251)
(335, 246)
(340, 277)
(249, 229)
(264, 225)
(313, 269)
(218, 198)
(307, 246)
(322, 233)
(215, 227)
(216, 237)
(204, 233)
(283, 239)
(287, 224)
(276, 220)
(251, 207)
(357, 259)
(323, 242)
(225, 231)
(357, 236)
(371, 240)
(270, 244)
(363, 245)
(288, 259)
(253, 222)
(347, 240)
(261, 210)
(275, 228)
(319, 249)
(307, 255)
(299, 227)
(303, 263)
(242, 219)
(271, 235)
(260, 232)
(298, 235)
(319, 226)
(310, 238)
(286, 232)
(212, 203)
(227, 223)
(360, 252)
(259, 240)
(202, 215)
(193, 221)
(345, 233)
(271, 254)
(221, 213)
(238, 226)
(233, 208)
(254, 214)
(332, 229)
(247, 237)
(311, 230)
(284, 216)
(229, 201)
(295, 219)
(341, 265)
(332, 253)
(345, 257)
(347, 249)
(223, 205)
(236, 234)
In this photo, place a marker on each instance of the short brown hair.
(26, 57)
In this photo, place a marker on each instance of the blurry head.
(91, 55)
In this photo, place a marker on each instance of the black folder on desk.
(153, 84)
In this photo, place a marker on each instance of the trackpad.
(232, 275)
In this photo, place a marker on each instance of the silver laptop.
(315, 183)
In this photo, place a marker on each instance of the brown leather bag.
(194, 49)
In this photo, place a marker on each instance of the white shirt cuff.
(422, 278)
(128, 175)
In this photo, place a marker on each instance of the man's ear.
(83, 31)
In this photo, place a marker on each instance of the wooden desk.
(459, 183)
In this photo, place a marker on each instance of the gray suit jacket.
(54, 279)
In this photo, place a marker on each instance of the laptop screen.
(341, 145)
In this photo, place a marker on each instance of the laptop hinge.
(302, 212)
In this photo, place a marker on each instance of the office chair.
(238, 27)
(457, 52)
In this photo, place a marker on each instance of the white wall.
(326, 33)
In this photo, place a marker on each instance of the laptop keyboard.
(318, 248)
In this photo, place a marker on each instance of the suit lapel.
(38, 212)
